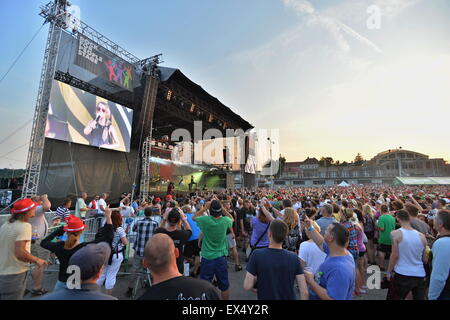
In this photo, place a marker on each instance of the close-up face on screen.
(80, 117)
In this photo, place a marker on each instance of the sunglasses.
(101, 109)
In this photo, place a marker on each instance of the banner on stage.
(99, 61)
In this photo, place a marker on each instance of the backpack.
(293, 239)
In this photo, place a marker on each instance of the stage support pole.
(148, 107)
(55, 14)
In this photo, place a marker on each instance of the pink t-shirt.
(360, 239)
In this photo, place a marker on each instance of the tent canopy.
(404, 181)
(343, 184)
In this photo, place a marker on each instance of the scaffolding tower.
(55, 13)
(150, 67)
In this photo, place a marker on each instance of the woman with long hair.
(347, 220)
(119, 244)
(368, 221)
(100, 130)
(65, 249)
(362, 257)
(294, 237)
(260, 227)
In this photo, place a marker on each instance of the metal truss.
(54, 13)
(149, 66)
(86, 86)
(103, 41)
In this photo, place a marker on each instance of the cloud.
(300, 6)
(334, 26)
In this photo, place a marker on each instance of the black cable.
(2, 156)
(20, 54)
(15, 131)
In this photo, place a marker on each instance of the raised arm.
(266, 213)
(89, 127)
(45, 203)
(227, 214)
(185, 221)
(47, 243)
(200, 212)
(313, 234)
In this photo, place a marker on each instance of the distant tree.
(326, 161)
(337, 163)
(282, 163)
(358, 159)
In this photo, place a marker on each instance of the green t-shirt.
(387, 222)
(214, 243)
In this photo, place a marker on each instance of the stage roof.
(171, 73)
(422, 181)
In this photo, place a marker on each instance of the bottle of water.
(34, 235)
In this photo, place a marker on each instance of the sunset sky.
(311, 69)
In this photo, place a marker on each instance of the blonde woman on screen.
(100, 131)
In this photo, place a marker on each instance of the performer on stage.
(170, 188)
(191, 184)
(100, 131)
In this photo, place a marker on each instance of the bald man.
(160, 256)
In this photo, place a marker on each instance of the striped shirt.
(62, 212)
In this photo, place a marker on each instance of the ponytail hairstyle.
(72, 239)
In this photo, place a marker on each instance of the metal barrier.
(91, 229)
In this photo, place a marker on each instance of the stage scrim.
(94, 171)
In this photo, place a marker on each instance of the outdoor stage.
(89, 83)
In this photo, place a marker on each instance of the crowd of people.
(299, 243)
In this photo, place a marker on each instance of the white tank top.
(411, 251)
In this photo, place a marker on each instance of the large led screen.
(81, 117)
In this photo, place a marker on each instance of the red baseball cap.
(23, 205)
(158, 199)
(168, 197)
(280, 198)
(74, 224)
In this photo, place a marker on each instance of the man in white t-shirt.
(126, 211)
(101, 208)
(39, 231)
(101, 204)
(311, 257)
